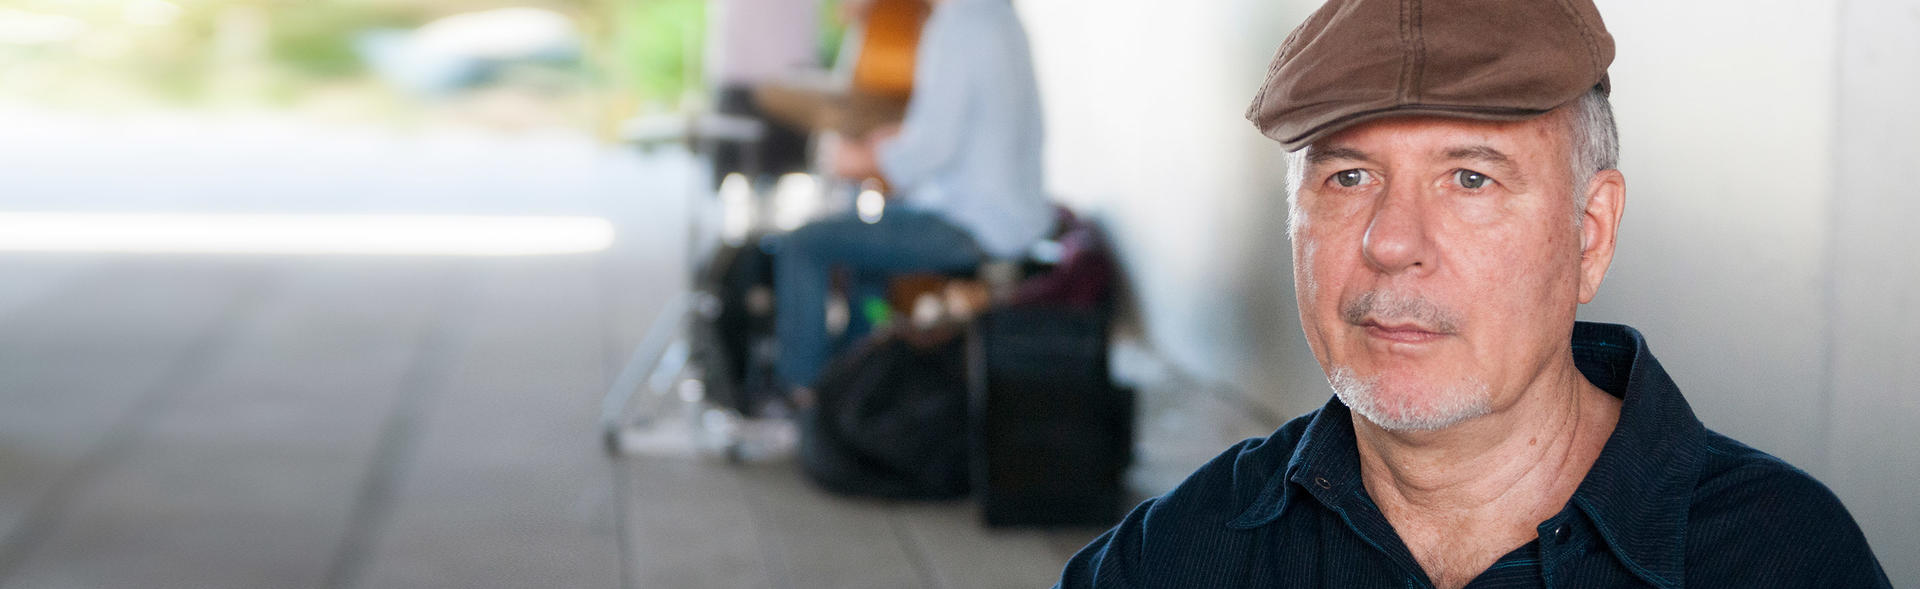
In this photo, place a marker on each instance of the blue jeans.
(902, 241)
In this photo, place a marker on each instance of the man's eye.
(1470, 179)
(1350, 178)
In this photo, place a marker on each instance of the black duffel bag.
(890, 421)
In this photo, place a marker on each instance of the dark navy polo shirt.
(1668, 503)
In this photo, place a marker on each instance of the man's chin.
(1403, 408)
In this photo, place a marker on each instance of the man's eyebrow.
(1321, 156)
(1480, 153)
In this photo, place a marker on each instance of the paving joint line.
(50, 510)
(399, 439)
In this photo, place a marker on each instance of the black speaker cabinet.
(1052, 435)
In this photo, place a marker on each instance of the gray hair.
(1596, 141)
(1595, 145)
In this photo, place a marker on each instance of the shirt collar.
(1324, 463)
(1640, 489)
(1637, 493)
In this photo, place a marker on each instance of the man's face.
(1439, 263)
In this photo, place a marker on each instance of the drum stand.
(671, 373)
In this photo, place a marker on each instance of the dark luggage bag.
(890, 421)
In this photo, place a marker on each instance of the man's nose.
(1397, 239)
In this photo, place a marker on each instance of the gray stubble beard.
(1460, 403)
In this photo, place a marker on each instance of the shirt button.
(1322, 482)
(1560, 534)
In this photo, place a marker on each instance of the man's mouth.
(1401, 332)
(1395, 318)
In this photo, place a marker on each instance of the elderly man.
(1453, 201)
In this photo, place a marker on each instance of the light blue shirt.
(969, 148)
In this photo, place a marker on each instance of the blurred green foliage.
(657, 47)
(121, 52)
(316, 38)
(658, 43)
(185, 52)
(832, 31)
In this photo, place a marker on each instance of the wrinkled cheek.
(1317, 300)
(1303, 274)
(1306, 290)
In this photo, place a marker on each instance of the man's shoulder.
(1245, 469)
(1219, 490)
(1741, 480)
(1753, 513)
(980, 17)
(972, 13)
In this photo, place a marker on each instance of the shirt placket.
(1347, 499)
(1560, 541)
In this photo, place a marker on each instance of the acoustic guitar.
(883, 66)
(880, 61)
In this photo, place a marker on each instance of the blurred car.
(471, 50)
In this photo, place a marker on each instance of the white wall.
(1873, 450)
(1726, 139)
(1145, 129)
(1768, 148)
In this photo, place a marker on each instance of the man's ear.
(1599, 228)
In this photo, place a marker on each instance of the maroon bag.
(1084, 276)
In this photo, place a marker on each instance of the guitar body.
(883, 67)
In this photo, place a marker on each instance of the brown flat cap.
(1359, 60)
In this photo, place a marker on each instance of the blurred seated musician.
(961, 172)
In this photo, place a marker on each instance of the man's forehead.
(1434, 138)
(1461, 151)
